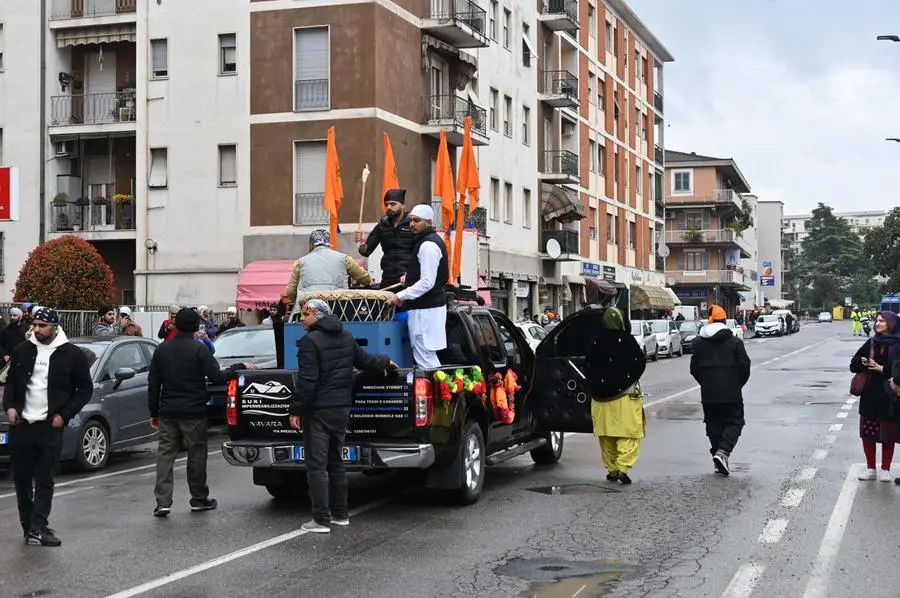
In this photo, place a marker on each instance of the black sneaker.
(44, 538)
(720, 460)
(206, 504)
(623, 477)
(161, 511)
(612, 477)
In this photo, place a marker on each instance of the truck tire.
(551, 452)
(473, 461)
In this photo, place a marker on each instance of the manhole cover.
(574, 489)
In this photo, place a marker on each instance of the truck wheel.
(551, 452)
(291, 487)
(473, 463)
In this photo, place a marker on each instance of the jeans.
(724, 422)
(323, 438)
(34, 454)
(173, 433)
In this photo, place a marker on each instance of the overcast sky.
(798, 92)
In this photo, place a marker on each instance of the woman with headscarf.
(878, 417)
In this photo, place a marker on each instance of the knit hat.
(103, 310)
(187, 320)
(398, 195)
(47, 314)
(717, 314)
(320, 238)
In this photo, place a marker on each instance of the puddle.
(556, 578)
(574, 489)
(587, 586)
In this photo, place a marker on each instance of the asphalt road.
(791, 521)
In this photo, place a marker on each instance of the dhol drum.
(355, 305)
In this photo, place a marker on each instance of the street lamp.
(888, 38)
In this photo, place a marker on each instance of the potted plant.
(100, 200)
(61, 199)
(123, 198)
(692, 235)
(83, 201)
(124, 203)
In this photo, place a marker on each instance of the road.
(791, 521)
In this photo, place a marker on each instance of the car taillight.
(231, 412)
(424, 394)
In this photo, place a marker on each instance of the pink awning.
(260, 284)
(486, 294)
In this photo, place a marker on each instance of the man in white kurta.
(425, 298)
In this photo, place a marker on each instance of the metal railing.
(560, 162)
(567, 239)
(93, 108)
(658, 155)
(568, 8)
(706, 276)
(309, 208)
(560, 83)
(444, 109)
(311, 94)
(461, 11)
(721, 196)
(92, 217)
(700, 237)
(658, 101)
(86, 9)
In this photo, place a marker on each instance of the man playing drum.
(394, 235)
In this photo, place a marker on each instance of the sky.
(798, 92)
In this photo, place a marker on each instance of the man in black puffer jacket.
(395, 236)
(322, 397)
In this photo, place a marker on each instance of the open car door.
(582, 360)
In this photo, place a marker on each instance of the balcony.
(707, 277)
(658, 101)
(449, 112)
(559, 89)
(569, 246)
(724, 236)
(559, 15)
(94, 12)
(720, 198)
(98, 215)
(309, 209)
(114, 110)
(658, 155)
(560, 167)
(460, 23)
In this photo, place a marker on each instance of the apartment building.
(703, 204)
(753, 298)
(769, 215)
(795, 225)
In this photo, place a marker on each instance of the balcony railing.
(703, 237)
(564, 13)
(567, 239)
(466, 12)
(658, 155)
(706, 277)
(720, 197)
(96, 216)
(561, 84)
(453, 110)
(562, 162)
(86, 9)
(309, 208)
(311, 94)
(93, 108)
(657, 101)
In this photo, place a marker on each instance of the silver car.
(646, 340)
(667, 337)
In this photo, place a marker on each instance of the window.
(644, 69)
(489, 338)
(693, 220)
(592, 21)
(592, 84)
(637, 121)
(526, 208)
(609, 36)
(601, 159)
(506, 19)
(682, 181)
(128, 356)
(693, 260)
(638, 180)
(228, 54)
(159, 51)
(227, 165)
(507, 116)
(309, 186)
(644, 121)
(158, 175)
(637, 58)
(507, 203)
(592, 149)
(1, 47)
(592, 231)
(611, 229)
(601, 93)
(526, 45)
(492, 23)
(526, 125)
(312, 68)
(495, 199)
(495, 100)
(616, 165)
(632, 234)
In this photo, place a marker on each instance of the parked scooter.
(867, 328)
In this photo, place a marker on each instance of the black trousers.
(34, 451)
(323, 439)
(724, 422)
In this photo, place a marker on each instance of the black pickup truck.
(412, 420)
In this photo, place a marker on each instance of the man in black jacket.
(394, 235)
(721, 366)
(13, 333)
(322, 397)
(177, 399)
(49, 382)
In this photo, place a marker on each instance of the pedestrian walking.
(322, 400)
(49, 382)
(721, 366)
(177, 401)
(879, 420)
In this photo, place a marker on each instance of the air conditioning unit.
(64, 149)
(670, 215)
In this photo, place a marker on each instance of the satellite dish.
(663, 251)
(554, 250)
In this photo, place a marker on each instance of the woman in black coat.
(879, 421)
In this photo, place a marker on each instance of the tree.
(882, 249)
(65, 273)
(832, 257)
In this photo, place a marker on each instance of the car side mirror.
(123, 374)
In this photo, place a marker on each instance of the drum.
(355, 305)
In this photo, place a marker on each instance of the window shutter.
(705, 220)
(160, 57)
(227, 164)
(681, 219)
(706, 260)
(681, 261)
(311, 167)
(312, 54)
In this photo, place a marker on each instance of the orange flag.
(390, 180)
(443, 185)
(334, 189)
(467, 182)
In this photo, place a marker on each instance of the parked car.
(688, 329)
(736, 329)
(667, 338)
(117, 415)
(534, 333)
(645, 338)
(825, 317)
(795, 321)
(769, 325)
(254, 344)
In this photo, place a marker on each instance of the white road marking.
(817, 586)
(835, 427)
(793, 497)
(846, 407)
(773, 531)
(744, 581)
(580, 590)
(829, 439)
(807, 474)
(72, 491)
(819, 454)
(233, 556)
(851, 400)
(843, 414)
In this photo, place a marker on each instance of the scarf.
(889, 342)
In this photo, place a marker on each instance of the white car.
(668, 338)
(534, 333)
(825, 317)
(735, 328)
(769, 325)
(646, 340)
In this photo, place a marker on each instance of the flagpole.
(362, 199)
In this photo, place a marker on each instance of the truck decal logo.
(272, 390)
(261, 412)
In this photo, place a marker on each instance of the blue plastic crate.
(385, 338)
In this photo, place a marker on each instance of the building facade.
(769, 216)
(860, 222)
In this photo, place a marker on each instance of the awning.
(528, 45)
(260, 284)
(675, 298)
(484, 291)
(598, 291)
(124, 32)
(741, 297)
(780, 303)
(645, 297)
(560, 204)
(473, 97)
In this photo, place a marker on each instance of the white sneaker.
(315, 528)
(341, 522)
(885, 475)
(868, 476)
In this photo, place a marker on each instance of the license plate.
(3, 439)
(351, 453)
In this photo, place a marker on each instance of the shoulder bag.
(861, 379)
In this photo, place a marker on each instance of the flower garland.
(503, 395)
(502, 389)
(451, 384)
